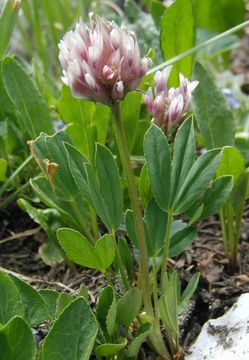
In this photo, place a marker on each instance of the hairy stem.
(199, 47)
(166, 245)
(15, 174)
(120, 264)
(135, 203)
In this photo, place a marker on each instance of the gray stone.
(225, 338)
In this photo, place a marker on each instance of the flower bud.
(169, 106)
(101, 62)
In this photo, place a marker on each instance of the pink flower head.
(169, 106)
(101, 62)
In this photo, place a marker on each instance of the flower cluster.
(169, 106)
(101, 62)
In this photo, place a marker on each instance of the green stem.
(13, 195)
(199, 47)
(120, 264)
(106, 275)
(224, 230)
(155, 290)
(231, 238)
(135, 203)
(15, 174)
(166, 245)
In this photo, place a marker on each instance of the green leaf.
(181, 239)
(157, 11)
(110, 184)
(17, 341)
(130, 110)
(178, 36)
(30, 105)
(35, 310)
(144, 185)
(188, 292)
(134, 347)
(3, 169)
(76, 161)
(63, 300)
(168, 303)
(237, 200)
(157, 155)
(214, 117)
(8, 19)
(184, 156)
(155, 221)
(72, 336)
(101, 208)
(82, 252)
(67, 190)
(111, 349)
(85, 128)
(198, 178)
(50, 297)
(83, 291)
(220, 15)
(126, 256)
(130, 227)
(10, 299)
(232, 163)
(216, 196)
(128, 307)
(106, 312)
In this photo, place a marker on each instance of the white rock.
(225, 338)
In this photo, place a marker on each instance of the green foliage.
(110, 186)
(50, 221)
(78, 339)
(65, 189)
(157, 154)
(17, 341)
(85, 190)
(3, 169)
(128, 307)
(50, 297)
(8, 19)
(88, 122)
(178, 20)
(10, 300)
(82, 252)
(214, 118)
(178, 185)
(220, 15)
(30, 106)
(35, 310)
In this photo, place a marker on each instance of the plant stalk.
(135, 203)
(155, 290)
(15, 174)
(199, 47)
(13, 195)
(120, 264)
(166, 245)
(224, 231)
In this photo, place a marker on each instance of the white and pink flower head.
(101, 62)
(169, 106)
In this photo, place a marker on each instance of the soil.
(217, 290)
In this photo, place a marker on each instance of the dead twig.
(21, 235)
